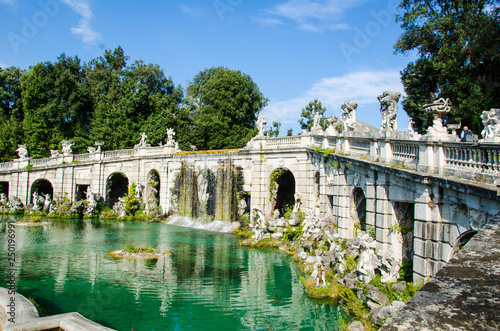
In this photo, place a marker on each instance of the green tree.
(289, 132)
(274, 131)
(11, 112)
(224, 105)
(132, 99)
(306, 122)
(57, 106)
(457, 43)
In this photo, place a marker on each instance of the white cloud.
(84, 28)
(7, 2)
(362, 87)
(3, 65)
(310, 15)
(189, 10)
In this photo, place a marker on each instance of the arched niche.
(282, 187)
(42, 187)
(358, 208)
(4, 188)
(116, 187)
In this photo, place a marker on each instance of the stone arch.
(4, 188)
(404, 213)
(461, 241)
(358, 209)
(152, 190)
(282, 187)
(116, 187)
(42, 187)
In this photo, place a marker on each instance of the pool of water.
(210, 283)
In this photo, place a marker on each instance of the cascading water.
(207, 196)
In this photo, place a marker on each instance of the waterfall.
(203, 194)
(217, 226)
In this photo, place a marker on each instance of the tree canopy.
(458, 47)
(111, 100)
(223, 101)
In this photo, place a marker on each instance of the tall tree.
(11, 112)
(57, 106)
(306, 122)
(225, 104)
(457, 43)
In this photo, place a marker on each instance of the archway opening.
(43, 188)
(81, 192)
(282, 190)
(4, 188)
(116, 187)
(358, 210)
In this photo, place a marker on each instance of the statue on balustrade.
(491, 122)
(261, 121)
(349, 115)
(389, 109)
(142, 143)
(66, 147)
(22, 151)
(316, 127)
(54, 153)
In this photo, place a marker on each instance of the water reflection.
(210, 283)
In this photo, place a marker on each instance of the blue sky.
(295, 50)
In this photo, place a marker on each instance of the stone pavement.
(463, 295)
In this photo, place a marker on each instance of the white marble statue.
(142, 143)
(296, 207)
(91, 150)
(349, 115)
(491, 122)
(98, 144)
(170, 137)
(36, 201)
(91, 202)
(47, 202)
(22, 151)
(316, 127)
(66, 147)
(389, 109)
(261, 121)
(54, 153)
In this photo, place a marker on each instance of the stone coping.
(464, 294)
(31, 224)
(27, 318)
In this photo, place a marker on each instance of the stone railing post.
(431, 158)
(385, 151)
(374, 155)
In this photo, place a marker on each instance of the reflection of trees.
(210, 276)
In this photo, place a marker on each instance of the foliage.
(131, 248)
(224, 104)
(274, 131)
(132, 203)
(111, 100)
(289, 132)
(306, 122)
(457, 43)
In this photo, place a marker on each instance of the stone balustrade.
(475, 161)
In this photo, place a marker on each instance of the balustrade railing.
(6, 165)
(283, 141)
(82, 157)
(405, 151)
(459, 159)
(473, 158)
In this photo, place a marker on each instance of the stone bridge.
(422, 198)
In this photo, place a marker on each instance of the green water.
(209, 284)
